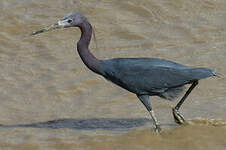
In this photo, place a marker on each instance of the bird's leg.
(177, 115)
(145, 100)
(156, 123)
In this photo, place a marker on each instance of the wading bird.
(142, 76)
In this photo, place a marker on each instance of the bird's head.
(73, 19)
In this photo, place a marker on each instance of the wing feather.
(151, 74)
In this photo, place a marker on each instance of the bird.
(142, 76)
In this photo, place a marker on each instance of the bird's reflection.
(86, 124)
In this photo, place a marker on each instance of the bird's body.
(142, 76)
(151, 76)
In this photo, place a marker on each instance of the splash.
(207, 122)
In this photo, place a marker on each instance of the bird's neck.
(83, 48)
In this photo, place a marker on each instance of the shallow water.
(50, 100)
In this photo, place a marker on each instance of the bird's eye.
(69, 21)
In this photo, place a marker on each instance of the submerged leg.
(177, 116)
(145, 100)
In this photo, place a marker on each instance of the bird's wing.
(151, 74)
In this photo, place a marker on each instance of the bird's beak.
(58, 25)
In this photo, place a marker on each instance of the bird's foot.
(178, 118)
(158, 129)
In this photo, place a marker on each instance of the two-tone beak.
(58, 25)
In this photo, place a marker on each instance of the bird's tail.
(201, 73)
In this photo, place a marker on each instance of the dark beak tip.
(32, 34)
(37, 32)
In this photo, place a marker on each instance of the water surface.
(50, 100)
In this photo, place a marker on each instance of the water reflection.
(86, 124)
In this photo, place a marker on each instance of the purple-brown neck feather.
(83, 48)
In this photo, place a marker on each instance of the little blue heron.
(142, 76)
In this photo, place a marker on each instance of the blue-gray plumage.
(151, 76)
(142, 76)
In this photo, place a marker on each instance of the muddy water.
(50, 100)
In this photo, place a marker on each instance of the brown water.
(50, 100)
